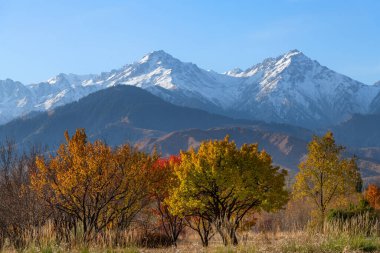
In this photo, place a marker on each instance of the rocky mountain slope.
(286, 149)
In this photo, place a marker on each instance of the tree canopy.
(325, 176)
(372, 195)
(163, 180)
(94, 183)
(223, 183)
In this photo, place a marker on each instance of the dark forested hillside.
(117, 114)
(359, 131)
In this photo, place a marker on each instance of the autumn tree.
(163, 180)
(325, 177)
(99, 186)
(222, 184)
(372, 195)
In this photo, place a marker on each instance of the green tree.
(221, 184)
(324, 176)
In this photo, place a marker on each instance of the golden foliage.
(325, 177)
(94, 183)
(223, 183)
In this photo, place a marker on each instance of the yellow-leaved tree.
(221, 184)
(325, 177)
(97, 185)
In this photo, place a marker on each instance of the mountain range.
(291, 89)
(127, 114)
(162, 103)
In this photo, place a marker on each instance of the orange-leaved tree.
(372, 195)
(97, 185)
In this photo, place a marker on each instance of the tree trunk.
(227, 234)
(204, 241)
(203, 227)
(323, 219)
(233, 238)
(224, 238)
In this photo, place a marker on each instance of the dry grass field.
(262, 242)
(358, 235)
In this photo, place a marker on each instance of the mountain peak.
(233, 72)
(157, 57)
(294, 51)
(8, 80)
(273, 66)
(294, 59)
(294, 54)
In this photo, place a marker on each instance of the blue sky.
(39, 39)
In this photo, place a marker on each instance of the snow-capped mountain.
(175, 81)
(293, 88)
(15, 100)
(290, 89)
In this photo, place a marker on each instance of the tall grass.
(357, 234)
(363, 224)
(47, 239)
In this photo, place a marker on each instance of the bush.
(358, 219)
(352, 211)
(154, 240)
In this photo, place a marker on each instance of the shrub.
(358, 219)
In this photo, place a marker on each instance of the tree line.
(88, 188)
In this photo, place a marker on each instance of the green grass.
(365, 244)
(334, 245)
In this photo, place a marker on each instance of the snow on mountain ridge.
(290, 88)
(293, 88)
(160, 70)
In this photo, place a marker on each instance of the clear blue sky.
(39, 39)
